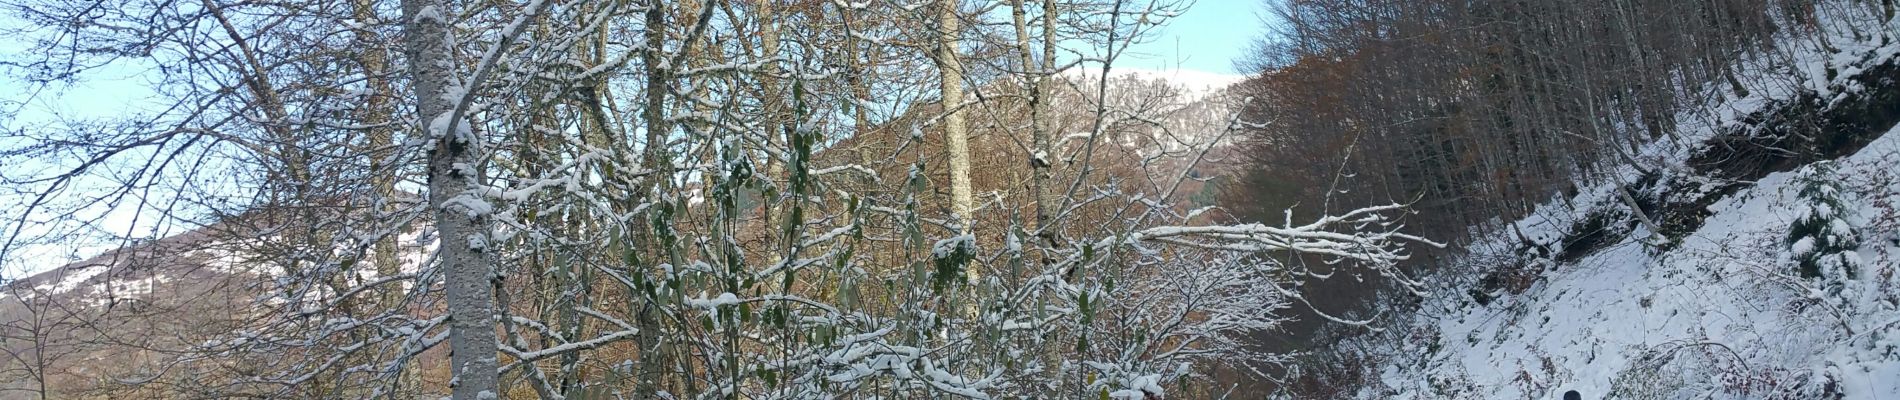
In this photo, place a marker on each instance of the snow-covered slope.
(1585, 296)
(1722, 316)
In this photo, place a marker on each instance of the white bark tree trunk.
(956, 135)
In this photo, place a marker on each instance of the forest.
(806, 199)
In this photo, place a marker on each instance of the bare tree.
(40, 341)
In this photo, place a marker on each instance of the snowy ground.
(1725, 308)
(1722, 315)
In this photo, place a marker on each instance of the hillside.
(119, 314)
(1754, 256)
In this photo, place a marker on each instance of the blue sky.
(1208, 37)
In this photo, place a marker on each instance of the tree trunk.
(956, 136)
(652, 362)
(385, 255)
(460, 218)
(1039, 114)
(375, 113)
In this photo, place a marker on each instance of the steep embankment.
(1755, 256)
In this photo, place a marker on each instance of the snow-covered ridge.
(164, 267)
(70, 278)
(1195, 84)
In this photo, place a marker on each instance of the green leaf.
(770, 377)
